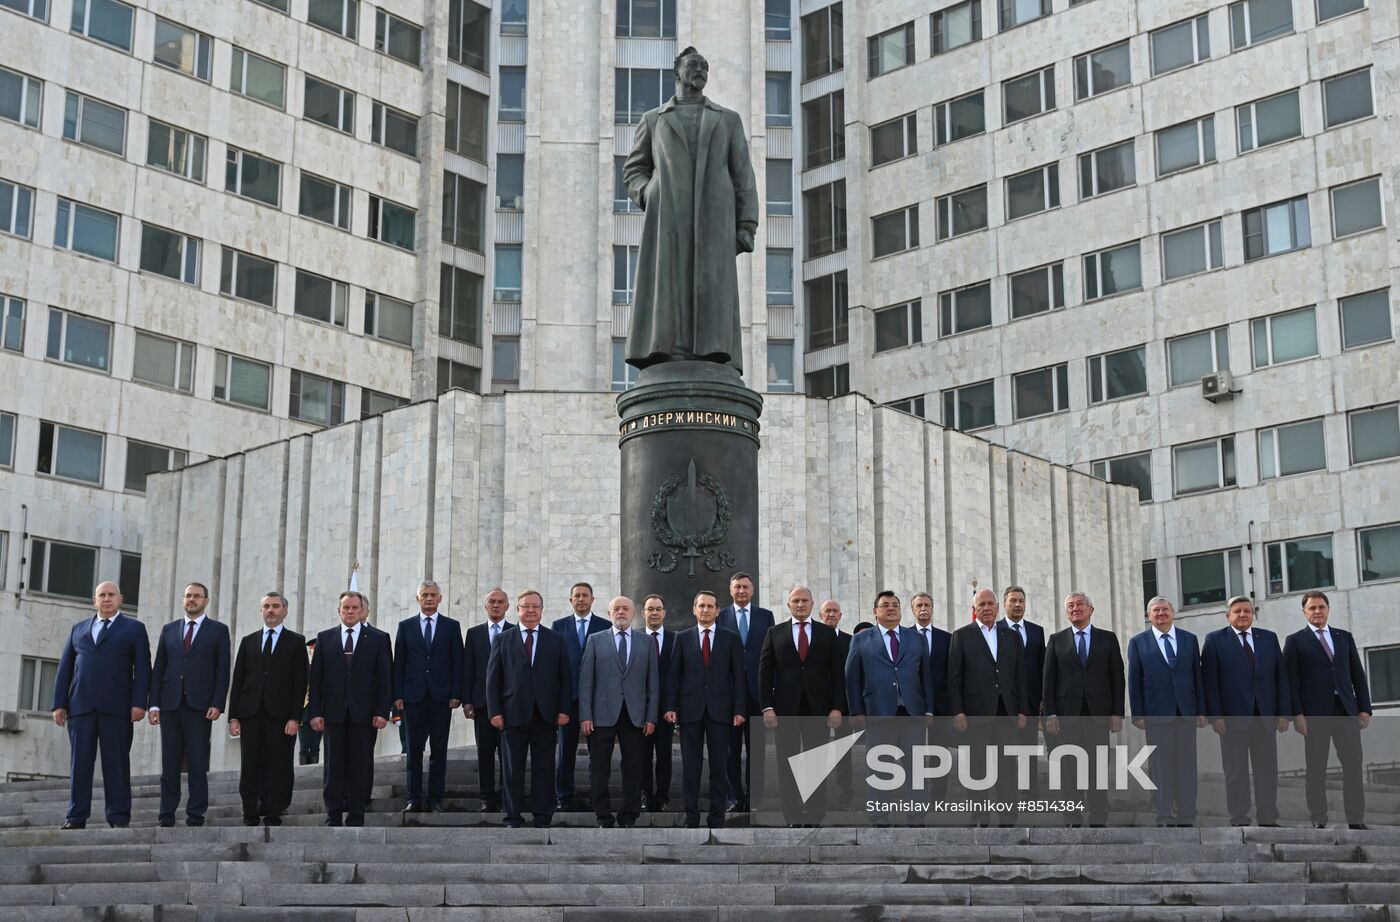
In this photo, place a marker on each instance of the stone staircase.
(457, 865)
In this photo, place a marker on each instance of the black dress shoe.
(250, 821)
(1319, 825)
(73, 824)
(627, 824)
(608, 823)
(194, 821)
(355, 819)
(689, 824)
(166, 824)
(334, 820)
(661, 806)
(563, 804)
(717, 823)
(435, 808)
(513, 824)
(1357, 826)
(1269, 825)
(543, 824)
(119, 825)
(739, 807)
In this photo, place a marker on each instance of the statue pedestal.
(688, 434)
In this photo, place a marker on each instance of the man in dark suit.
(264, 711)
(574, 629)
(1032, 637)
(986, 682)
(480, 639)
(189, 687)
(100, 690)
(705, 696)
(427, 689)
(800, 675)
(830, 615)
(351, 687)
(1168, 701)
(657, 748)
(1332, 703)
(528, 697)
(1082, 694)
(936, 641)
(1246, 691)
(751, 623)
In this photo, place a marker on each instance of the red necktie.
(189, 635)
(705, 648)
(530, 647)
(802, 641)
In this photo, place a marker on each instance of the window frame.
(908, 138)
(1232, 567)
(1086, 89)
(195, 150)
(374, 311)
(1219, 345)
(380, 115)
(42, 672)
(77, 104)
(1103, 470)
(40, 560)
(1266, 324)
(1300, 232)
(384, 21)
(665, 25)
(947, 206)
(190, 255)
(1238, 42)
(1059, 391)
(65, 227)
(84, 8)
(950, 401)
(1003, 8)
(21, 205)
(831, 108)
(229, 268)
(185, 358)
(1332, 207)
(1046, 78)
(1276, 552)
(1252, 108)
(54, 435)
(349, 20)
(1212, 243)
(378, 222)
(203, 50)
(1049, 174)
(296, 398)
(840, 328)
(909, 225)
(1394, 410)
(344, 121)
(874, 53)
(1095, 189)
(339, 308)
(912, 324)
(236, 159)
(1360, 553)
(11, 329)
(1098, 376)
(949, 303)
(31, 97)
(630, 117)
(1227, 475)
(64, 317)
(1098, 292)
(1206, 152)
(228, 360)
(831, 57)
(343, 195)
(1342, 319)
(238, 77)
(1055, 289)
(937, 27)
(943, 119)
(1200, 51)
(1270, 451)
(176, 459)
(1327, 123)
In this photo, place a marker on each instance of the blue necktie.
(428, 631)
(1171, 651)
(1083, 650)
(582, 628)
(622, 649)
(744, 625)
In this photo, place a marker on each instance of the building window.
(505, 361)
(78, 340)
(339, 16)
(316, 400)
(1040, 392)
(893, 140)
(1285, 337)
(508, 273)
(1276, 228)
(175, 151)
(779, 276)
(901, 325)
(1099, 71)
(891, 50)
(822, 42)
(895, 232)
(1149, 581)
(1200, 466)
(324, 200)
(1298, 565)
(824, 125)
(780, 363)
(827, 318)
(452, 374)
(163, 362)
(143, 460)
(19, 98)
(397, 38)
(463, 212)
(622, 202)
(1107, 169)
(971, 407)
(1191, 251)
(959, 118)
(319, 298)
(646, 18)
(1190, 358)
(624, 376)
(1379, 556)
(328, 104)
(829, 382)
(394, 129)
(1383, 665)
(279, 5)
(391, 223)
(510, 182)
(467, 114)
(36, 9)
(825, 210)
(373, 403)
(104, 20)
(1115, 375)
(510, 106)
(1187, 145)
(469, 34)
(1255, 21)
(84, 229)
(1180, 45)
(16, 208)
(964, 309)
(258, 78)
(1037, 290)
(1269, 121)
(1210, 579)
(183, 49)
(1365, 318)
(62, 569)
(1292, 449)
(777, 20)
(388, 318)
(1013, 13)
(1331, 9)
(1028, 95)
(253, 177)
(1113, 271)
(36, 676)
(779, 187)
(955, 26)
(778, 99)
(248, 277)
(1347, 98)
(129, 579)
(172, 255)
(94, 123)
(624, 273)
(1033, 191)
(962, 212)
(638, 91)
(914, 406)
(242, 381)
(1129, 470)
(459, 306)
(11, 324)
(1356, 207)
(1374, 433)
(7, 455)
(70, 454)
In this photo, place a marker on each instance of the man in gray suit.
(619, 693)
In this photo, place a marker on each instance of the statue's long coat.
(686, 297)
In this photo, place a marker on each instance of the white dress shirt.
(1161, 647)
(97, 625)
(989, 634)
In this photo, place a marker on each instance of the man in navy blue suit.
(1246, 691)
(657, 780)
(480, 639)
(574, 630)
(100, 690)
(427, 689)
(936, 641)
(1332, 705)
(1167, 700)
(527, 699)
(189, 688)
(752, 624)
(1032, 637)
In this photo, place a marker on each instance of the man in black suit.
(751, 623)
(657, 748)
(986, 681)
(1013, 607)
(1082, 692)
(1332, 701)
(264, 711)
(528, 698)
(936, 642)
(800, 675)
(189, 686)
(480, 639)
(427, 689)
(830, 615)
(705, 696)
(350, 703)
(574, 630)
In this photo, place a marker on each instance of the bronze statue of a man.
(689, 170)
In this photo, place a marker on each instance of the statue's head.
(691, 69)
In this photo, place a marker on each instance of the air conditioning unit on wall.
(1218, 386)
